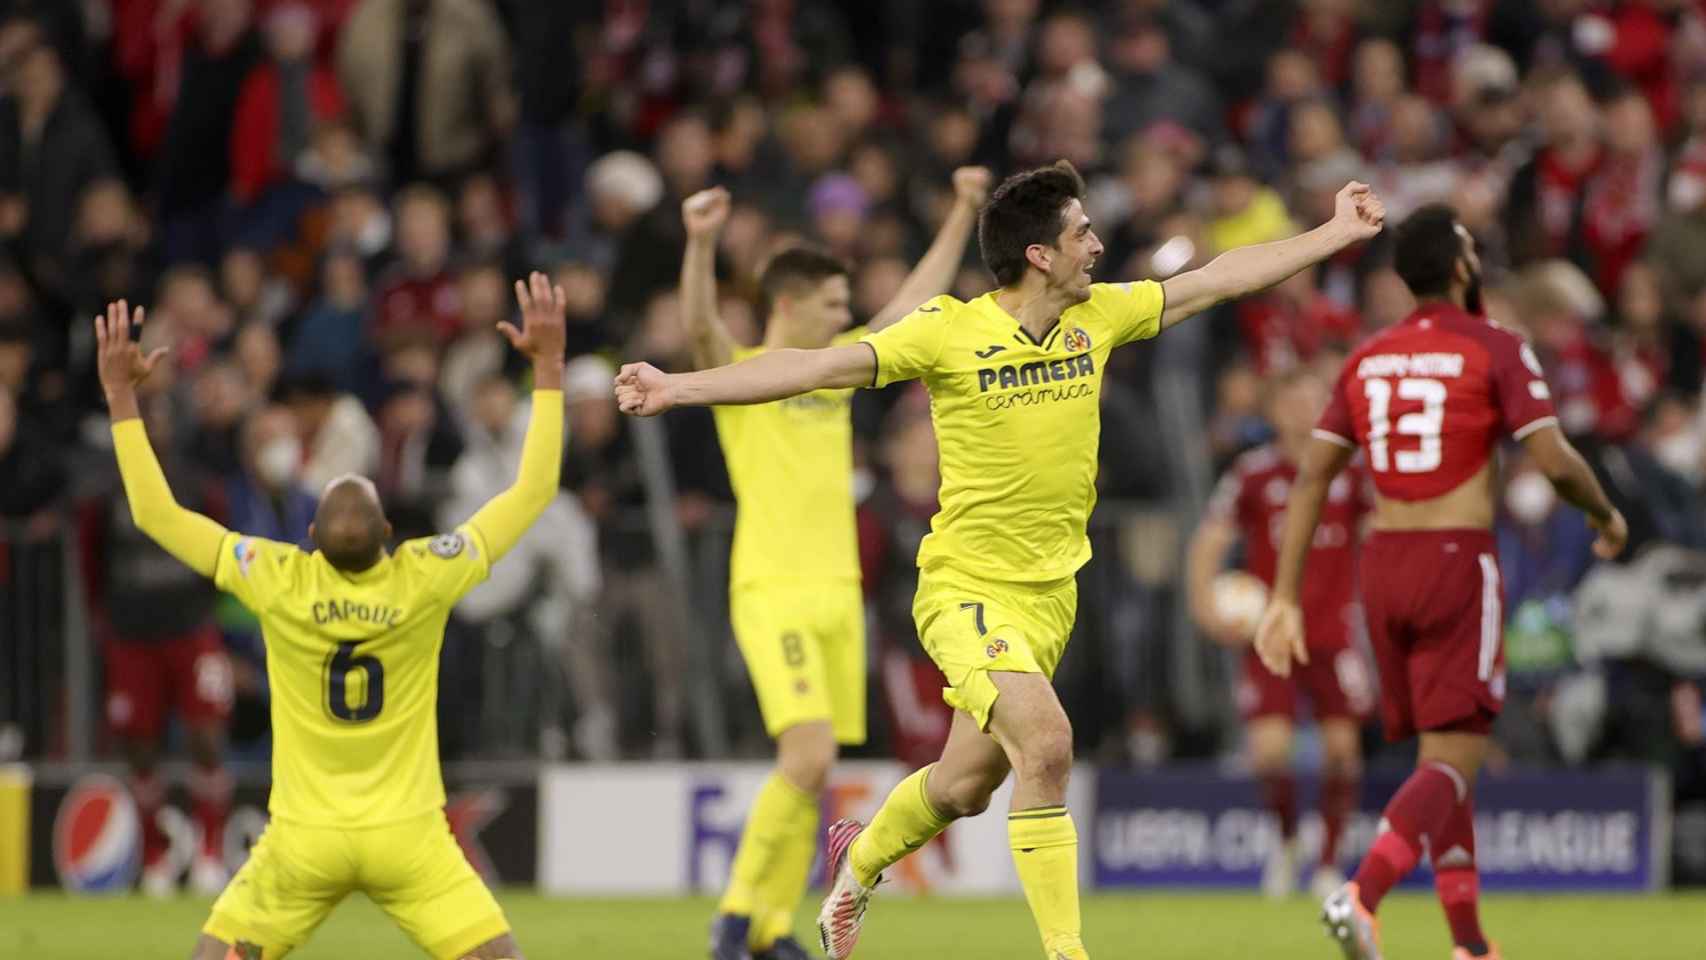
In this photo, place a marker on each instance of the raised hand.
(1279, 639)
(119, 359)
(1358, 208)
(643, 390)
(705, 212)
(541, 335)
(971, 185)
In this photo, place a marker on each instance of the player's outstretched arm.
(1279, 639)
(1358, 215)
(507, 516)
(645, 391)
(704, 214)
(1574, 480)
(121, 364)
(934, 273)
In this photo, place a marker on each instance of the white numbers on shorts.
(1424, 425)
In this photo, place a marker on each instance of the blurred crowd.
(323, 202)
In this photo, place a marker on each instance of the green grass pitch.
(1169, 926)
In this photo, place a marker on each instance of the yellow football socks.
(1045, 853)
(782, 819)
(905, 822)
(779, 896)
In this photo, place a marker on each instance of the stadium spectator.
(281, 101)
(601, 469)
(418, 292)
(195, 159)
(559, 553)
(52, 147)
(428, 83)
(31, 474)
(327, 339)
(338, 435)
(1151, 86)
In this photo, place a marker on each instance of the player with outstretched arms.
(1248, 507)
(352, 636)
(1428, 400)
(794, 594)
(1014, 378)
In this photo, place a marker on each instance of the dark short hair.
(796, 270)
(1426, 249)
(1027, 208)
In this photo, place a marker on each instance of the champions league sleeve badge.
(446, 545)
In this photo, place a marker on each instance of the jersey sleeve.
(1133, 309)
(449, 565)
(1336, 424)
(1223, 502)
(851, 335)
(256, 571)
(1525, 401)
(909, 349)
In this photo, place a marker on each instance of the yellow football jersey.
(1017, 421)
(791, 465)
(353, 664)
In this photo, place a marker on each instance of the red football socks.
(210, 801)
(1419, 809)
(1338, 796)
(1455, 878)
(1279, 796)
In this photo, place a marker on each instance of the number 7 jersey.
(352, 660)
(1430, 396)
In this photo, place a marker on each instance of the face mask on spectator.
(277, 461)
(1679, 453)
(1530, 498)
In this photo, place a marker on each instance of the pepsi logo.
(97, 837)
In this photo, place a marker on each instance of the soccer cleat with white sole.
(1350, 924)
(1324, 881)
(843, 912)
(208, 877)
(160, 880)
(1279, 874)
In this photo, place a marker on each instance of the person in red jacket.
(282, 100)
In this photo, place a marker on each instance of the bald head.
(349, 525)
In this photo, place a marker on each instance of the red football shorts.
(189, 673)
(1337, 683)
(1435, 608)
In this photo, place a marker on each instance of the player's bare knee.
(210, 948)
(805, 755)
(965, 795)
(1045, 756)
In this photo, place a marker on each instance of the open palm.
(119, 358)
(541, 334)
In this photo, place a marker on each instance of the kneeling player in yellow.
(794, 595)
(352, 636)
(1014, 379)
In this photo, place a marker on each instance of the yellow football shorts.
(970, 626)
(412, 869)
(804, 646)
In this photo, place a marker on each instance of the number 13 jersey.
(352, 660)
(1430, 396)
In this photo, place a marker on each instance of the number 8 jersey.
(1430, 396)
(352, 660)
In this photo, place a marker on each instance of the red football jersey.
(1429, 397)
(1252, 497)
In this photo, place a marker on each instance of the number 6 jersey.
(352, 660)
(1430, 396)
